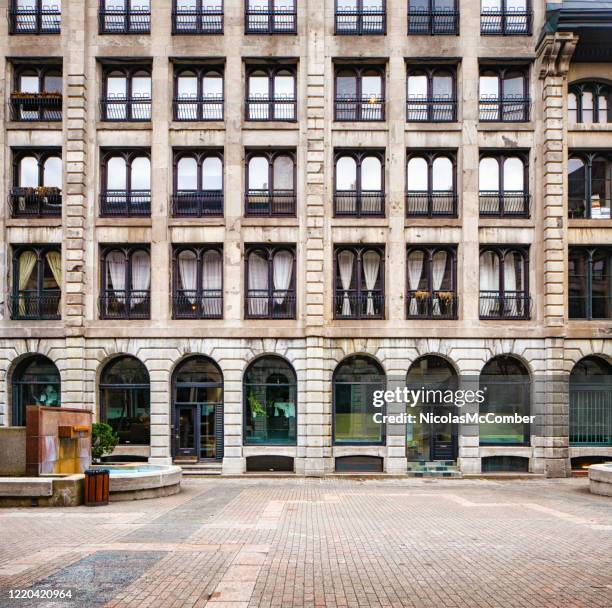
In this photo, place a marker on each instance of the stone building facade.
(544, 339)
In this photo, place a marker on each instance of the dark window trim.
(271, 70)
(271, 12)
(198, 23)
(132, 104)
(494, 109)
(361, 17)
(434, 105)
(597, 88)
(587, 157)
(589, 252)
(39, 21)
(359, 197)
(500, 23)
(433, 196)
(360, 289)
(200, 71)
(47, 104)
(433, 21)
(356, 103)
(140, 26)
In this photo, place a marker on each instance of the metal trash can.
(97, 483)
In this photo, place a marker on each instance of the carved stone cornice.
(554, 54)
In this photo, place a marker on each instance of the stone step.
(199, 469)
(434, 474)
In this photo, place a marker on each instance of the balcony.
(115, 304)
(505, 23)
(433, 23)
(359, 110)
(122, 109)
(270, 304)
(260, 20)
(431, 204)
(35, 202)
(125, 203)
(359, 23)
(431, 110)
(504, 204)
(35, 21)
(351, 304)
(36, 107)
(204, 21)
(36, 305)
(428, 305)
(504, 110)
(122, 21)
(274, 109)
(509, 305)
(359, 204)
(187, 203)
(192, 304)
(270, 203)
(198, 109)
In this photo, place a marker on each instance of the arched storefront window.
(35, 381)
(354, 383)
(434, 440)
(507, 389)
(270, 402)
(197, 393)
(125, 400)
(591, 403)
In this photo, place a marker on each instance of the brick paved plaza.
(334, 542)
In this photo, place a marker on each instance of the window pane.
(443, 86)
(572, 108)
(576, 187)
(371, 173)
(258, 86)
(371, 86)
(187, 174)
(212, 86)
(52, 176)
(489, 271)
(442, 174)
(417, 87)
(28, 172)
(516, 5)
(488, 175)
(258, 173)
(587, 107)
(346, 173)
(284, 86)
(346, 84)
(212, 173)
(141, 173)
(187, 87)
(53, 83)
(283, 173)
(29, 83)
(514, 86)
(141, 86)
(116, 174)
(514, 175)
(600, 189)
(116, 86)
(417, 175)
(489, 87)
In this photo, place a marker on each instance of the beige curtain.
(27, 262)
(54, 259)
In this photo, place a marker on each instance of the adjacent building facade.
(227, 223)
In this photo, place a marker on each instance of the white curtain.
(438, 266)
(281, 273)
(212, 279)
(415, 270)
(258, 282)
(115, 262)
(345, 264)
(489, 281)
(510, 283)
(371, 266)
(188, 269)
(141, 275)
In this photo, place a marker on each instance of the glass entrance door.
(443, 441)
(208, 439)
(427, 441)
(186, 431)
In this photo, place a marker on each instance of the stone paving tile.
(284, 543)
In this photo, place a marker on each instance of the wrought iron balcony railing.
(433, 23)
(591, 307)
(431, 305)
(35, 21)
(194, 203)
(125, 203)
(137, 109)
(35, 202)
(207, 20)
(121, 21)
(515, 109)
(30, 305)
(504, 204)
(123, 304)
(359, 204)
(36, 107)
(359, 110)
(270, 109)
(436, 203)
(436, 109)
(364, 22)
(505, 23)
(260, 20)
(506, 305)
(270, 202)
(202, 109)
(193, 304)
(352, 304)
(270, 304)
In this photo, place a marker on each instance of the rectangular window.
(590, 185)
(37, 92)
(433, 17)
(431, 94)
(198, 93)
(126, 93)
(361, 17)
(590, 283)
(126, 183)
(360, 93)
(271, 93)
(197, 17)
(124, 17)
(35, 16)
(505, 17)
(504, 94)
(270, 17)
(198, 183)
(270, 183)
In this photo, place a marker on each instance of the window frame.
(597, 88)
(38, 14)
(271, 69)
(48, 104)
(200, 72)
(587, 157)
(502, 197)
(271, 13)
(358, 101)
(589, 252)
(200, 14)
(430, 156)
(130, 102)
(430, 18)
(360, 15)
(504, 15)
(127, 14)
(433, 104)
(501, 101)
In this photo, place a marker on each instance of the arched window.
(504, 283)
(353, 385)
(360, 93)
(271, 93)
(590, 185)
(270, 17)
(198, 184)
(359, 188)
(270, 282)
(125, 401)
(431, 94)
(37, 93)
(35, 381)
(432, 288)
(504, 94)
(270, 402)
(359, 17)
(591, 403)
(270, 183)
(504, 185)
(590, 102)
(431, 440)
(431, 187)
(433, 17)
(126, 93)
(197, 392)
(507, 390)
(198, 93)
(126, 184)
(197, 17)
(590, 283)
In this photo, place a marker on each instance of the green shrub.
(103, 440)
